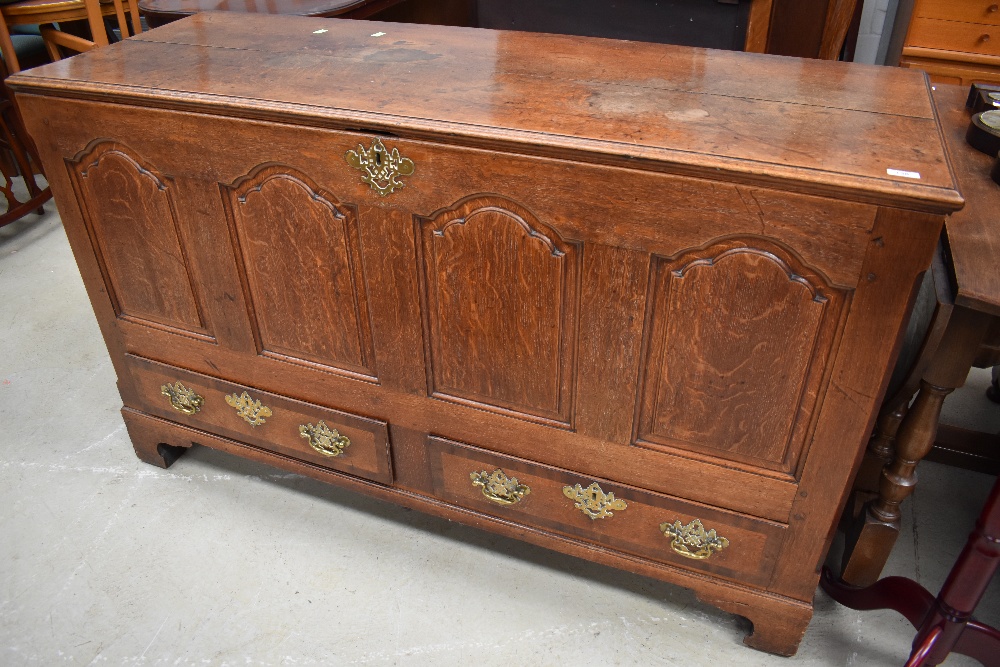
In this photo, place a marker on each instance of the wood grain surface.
(973, 233)
(299, 253)
(723, 317)
(501, 309)
(824, 126)
(677, 272)
(753, 544)
(154, 284)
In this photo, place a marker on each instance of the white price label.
(904, 174)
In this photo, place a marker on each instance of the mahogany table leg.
(965, 586)
(945, 624)
(900, 594)
(874, 531)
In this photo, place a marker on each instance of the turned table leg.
(881, 449)
(873, 533)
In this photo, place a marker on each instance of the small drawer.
(969, 11)
(954, 36)
(624, 518)
(332, 439)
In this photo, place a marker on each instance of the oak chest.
(631, 302)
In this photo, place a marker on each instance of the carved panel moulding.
(129, 211)
(500, 304)
(736, 307)
(286, 230)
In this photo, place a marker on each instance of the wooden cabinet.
(632, 302)
(954, 41)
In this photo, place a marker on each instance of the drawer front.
(945, 71)
(955, 36)
(969, 11)
(619, 517)
(336, 440)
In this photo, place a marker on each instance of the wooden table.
(160, 12)
(969, 337)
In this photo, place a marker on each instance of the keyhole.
(378, 159)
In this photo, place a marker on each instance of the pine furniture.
(954, 41)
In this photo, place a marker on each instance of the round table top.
(158, 12)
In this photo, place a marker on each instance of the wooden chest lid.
(852, 131)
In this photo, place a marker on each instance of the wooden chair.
(49, 12)
(18, 159)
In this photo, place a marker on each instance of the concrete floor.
(219, 561)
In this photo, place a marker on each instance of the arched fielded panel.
(500, 303)
(737, 333)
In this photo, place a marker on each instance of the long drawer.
(955, 36)
(337, 440)
(969, 11)
(649, 525)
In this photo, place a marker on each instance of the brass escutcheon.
(498, 487)
(692, 540)
(250, 410)
(182, 398)
(323, 439)
(380, 168)
(593, 502)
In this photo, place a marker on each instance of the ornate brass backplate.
(323, 439)
(692, 540)
(380, 167)
(593, 502)
(498, 487)
(250, 410)
(182, 398)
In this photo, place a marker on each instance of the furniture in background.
(784, 27)
(613, 298)
(18, 160)
(816, 29)
(954, 41)
(944, 624)
(442, 12)
(965, 332)
(48, 12)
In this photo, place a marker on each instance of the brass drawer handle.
(323, 439)
(498, 487)
(593, 502)
(692, 540)
(182, 399)
(992, 8)
(250, 410)
(380, 168)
